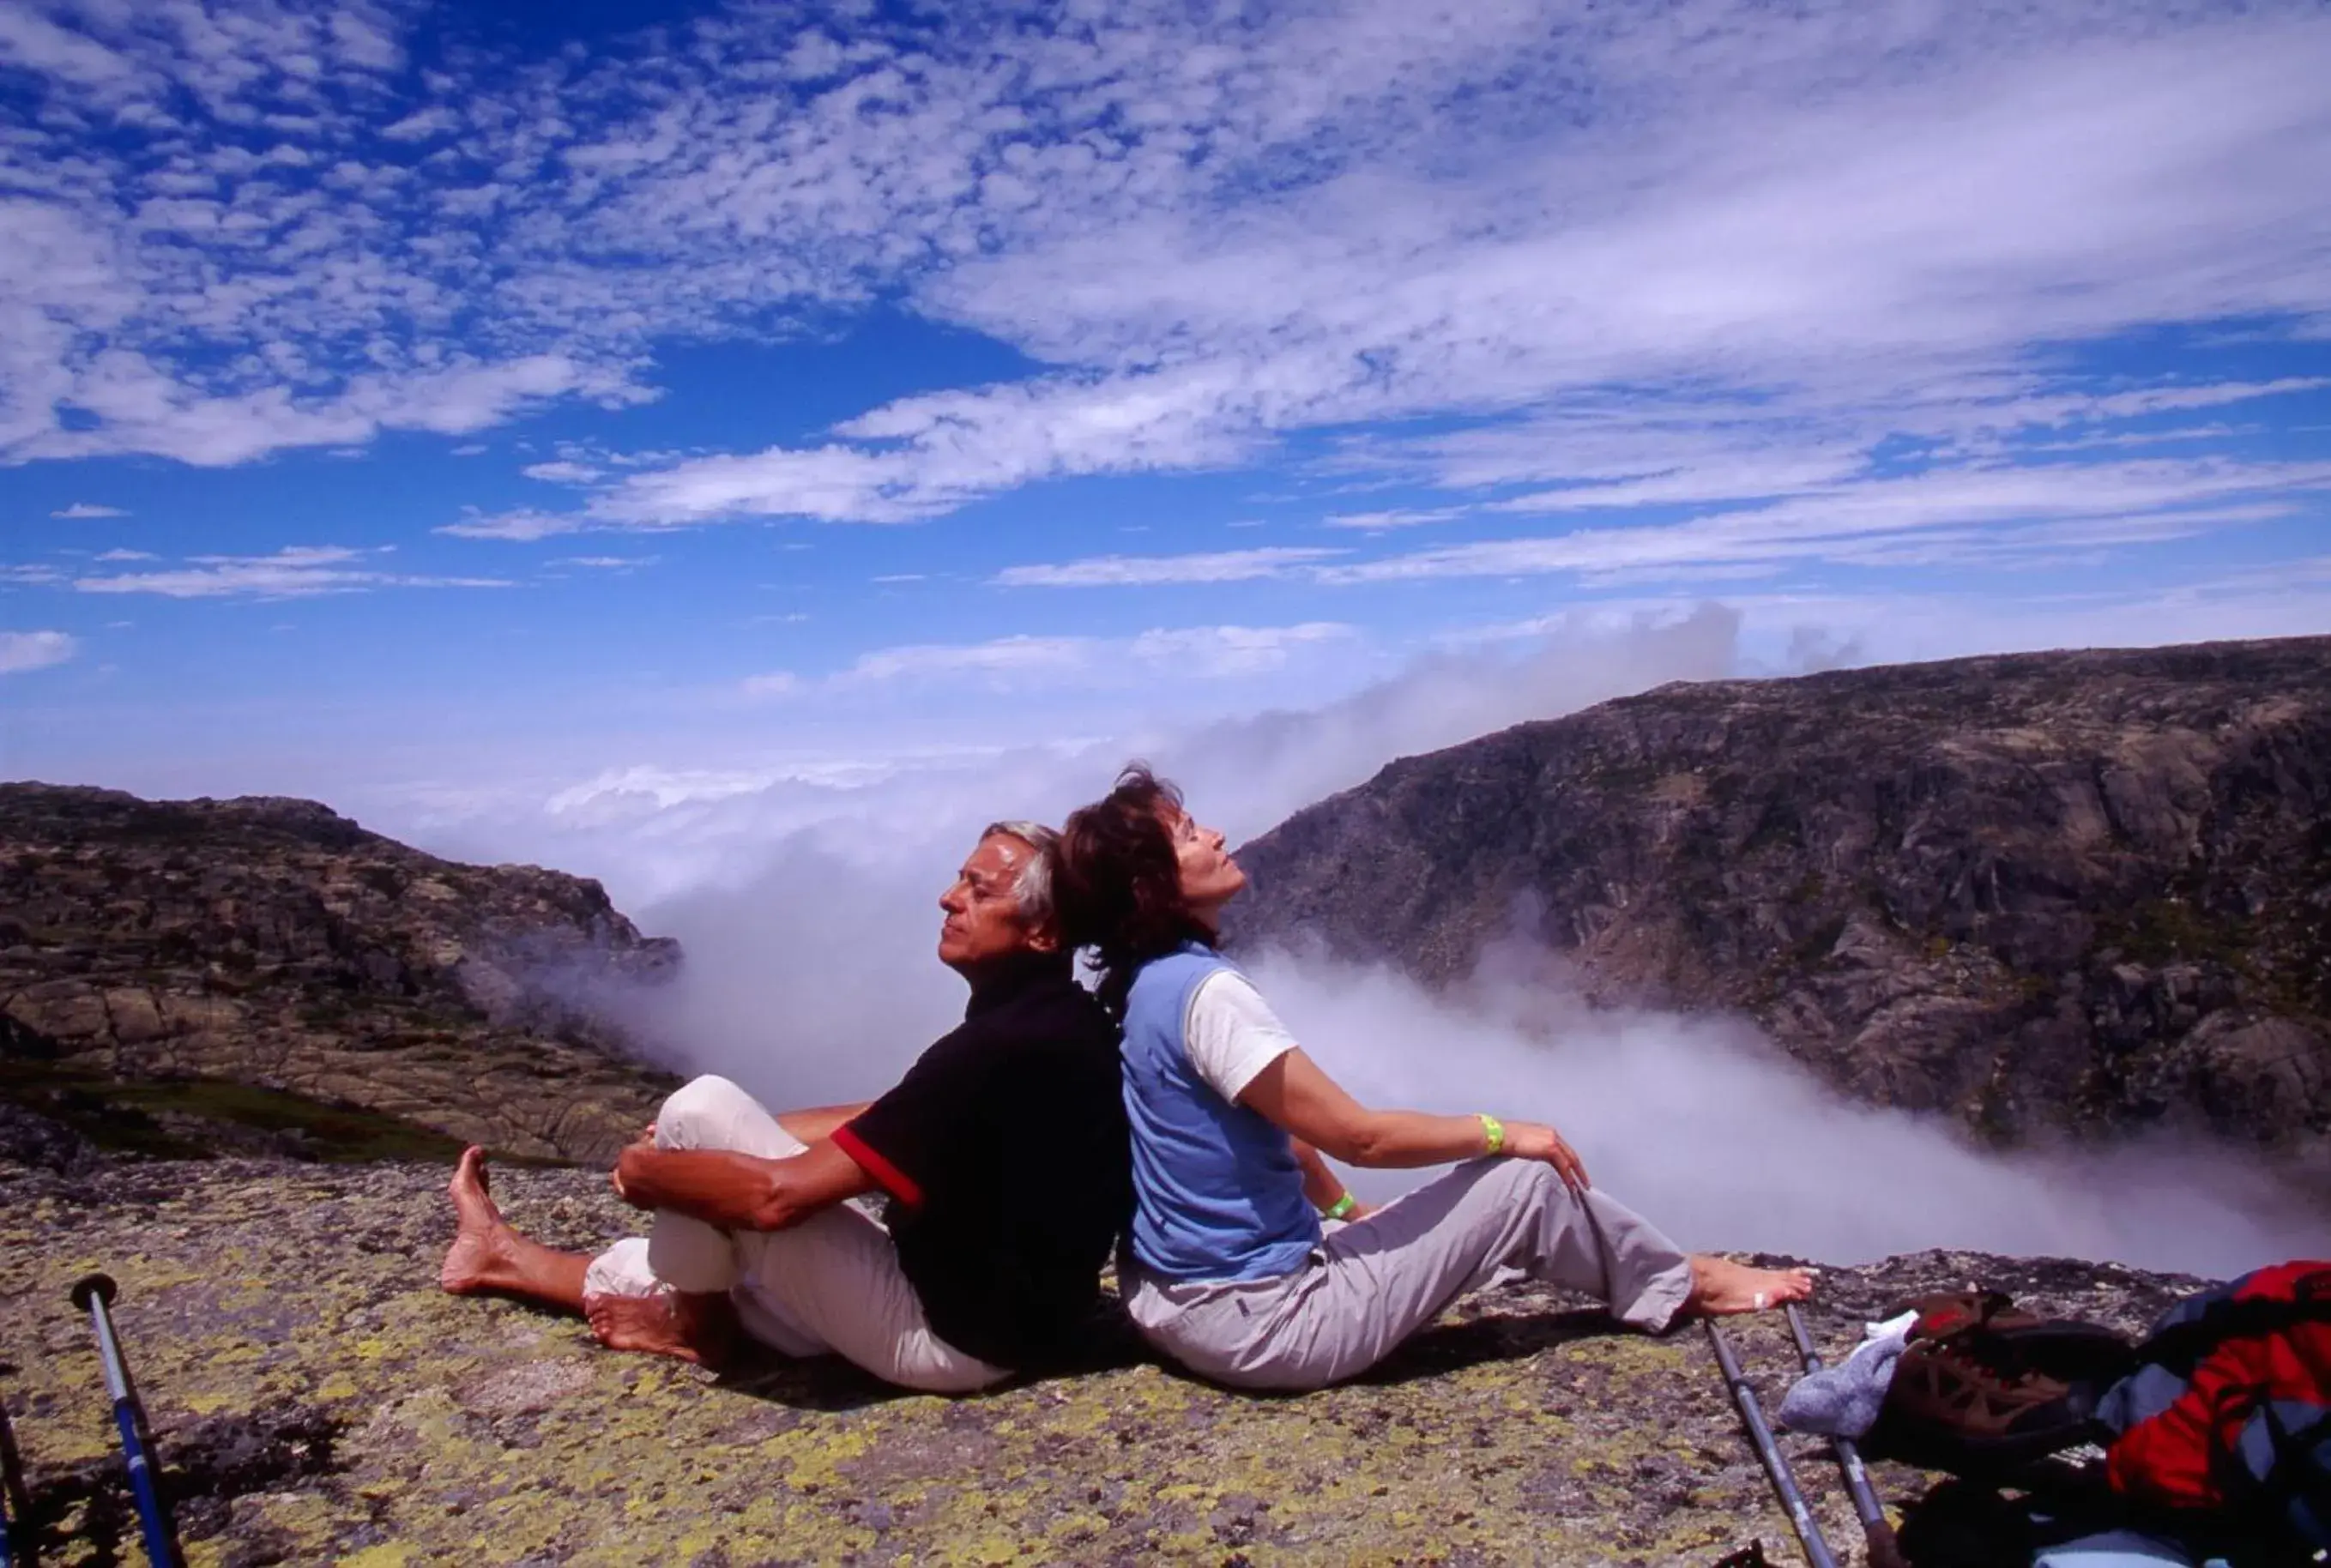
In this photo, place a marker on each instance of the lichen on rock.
(317, 1398)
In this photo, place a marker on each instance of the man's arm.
(819, 1121)
(739, 1192)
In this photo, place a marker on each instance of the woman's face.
(1210, 877)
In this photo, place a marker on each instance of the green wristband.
(1339, 1208)
(1494, 1131)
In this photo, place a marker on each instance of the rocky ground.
(2082, 891)
(186, 975)
(319, 1399)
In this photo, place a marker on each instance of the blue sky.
(467, 413)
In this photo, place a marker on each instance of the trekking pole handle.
(1776, 1464)
(15, 1502)
(95, 1293)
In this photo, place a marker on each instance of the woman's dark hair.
(1118, 884)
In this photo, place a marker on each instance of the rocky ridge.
(317, 1398)
(200, 973)
(2086, 890)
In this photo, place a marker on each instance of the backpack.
(2224, 1429)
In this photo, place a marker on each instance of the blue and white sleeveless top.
(1217, 1193)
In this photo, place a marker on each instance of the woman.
(1232, 1274)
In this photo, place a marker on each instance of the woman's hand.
(1537, 1141)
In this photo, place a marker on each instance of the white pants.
(830, 1284)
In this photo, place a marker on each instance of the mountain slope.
(2045, 890)
(274, 944)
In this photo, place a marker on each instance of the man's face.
(984, 922)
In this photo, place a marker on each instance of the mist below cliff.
(811, 979)
(816, 983)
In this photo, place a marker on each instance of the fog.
(811, 978)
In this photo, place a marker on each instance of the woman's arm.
(1323, 1187)
(1295, 1095)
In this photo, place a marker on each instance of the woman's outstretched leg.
(1387, 1275)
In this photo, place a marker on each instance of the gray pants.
(1374, 1282)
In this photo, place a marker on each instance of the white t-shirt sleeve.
(1232, 1034)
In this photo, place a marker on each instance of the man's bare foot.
(480, 1256)
(653, 1325)
(1721, 1287)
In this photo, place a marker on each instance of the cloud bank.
(811, 978)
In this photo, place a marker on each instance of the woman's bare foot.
(1721, 1287)
(662, 1324)
(481, 1256)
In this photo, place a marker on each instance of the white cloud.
(24, 651)
(1025, 662)
(607, 563)
(423, 124)
(80, 509)
(292, 572)
(774, 683)
(521, 526)
(1985, 513)
(562, 472)
(1005, 658)
(1232, 650)
(1212, 233)
(1396, 518)
(126, 555)
(1119, 571)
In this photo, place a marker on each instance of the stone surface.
(2082, 891)
(272, 943)
(316, 1399)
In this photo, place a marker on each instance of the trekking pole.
(15, 1499)
(94, 1293)
(14, 1513)
(1885, 1552)
(1777, 1463)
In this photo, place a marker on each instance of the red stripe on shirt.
(887, 1176)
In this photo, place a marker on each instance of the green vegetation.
(165, 1118)
(2175, 929)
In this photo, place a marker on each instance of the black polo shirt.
(1003, 1151)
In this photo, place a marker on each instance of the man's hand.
(1537, 1141)
(629, 1159)
(645, 1141)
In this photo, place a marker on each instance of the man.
(1002, 1152)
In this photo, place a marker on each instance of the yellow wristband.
(1339, 1208)
(1494, 1131)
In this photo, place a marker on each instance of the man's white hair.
(1033, 887)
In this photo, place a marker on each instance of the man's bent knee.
(693, 1114)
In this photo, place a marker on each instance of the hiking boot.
(1951, 1408)
(2011, 1340)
